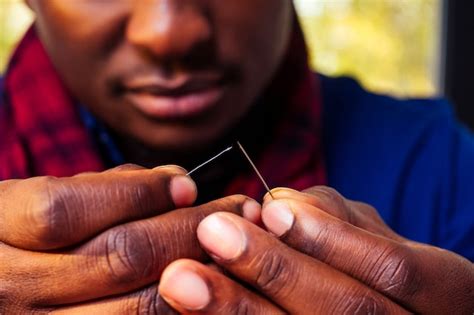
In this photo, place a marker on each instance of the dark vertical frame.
(459, 57)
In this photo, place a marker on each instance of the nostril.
(168, 31)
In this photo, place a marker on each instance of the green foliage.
(389, 45)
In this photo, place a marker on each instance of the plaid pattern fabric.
(41, 132)
(294, 158)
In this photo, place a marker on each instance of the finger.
(145, 301)
(121, 259)
(119, 168)
(5, 184)
(381, 263)
(193, 288)
(330, 201)
(47, 213)
(126, 167)
(294, 281)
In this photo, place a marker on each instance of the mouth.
(185, 97)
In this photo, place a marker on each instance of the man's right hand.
(98, 242)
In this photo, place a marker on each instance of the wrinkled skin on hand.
(321, 254)
(98, 242)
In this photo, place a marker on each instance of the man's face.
(173, 74)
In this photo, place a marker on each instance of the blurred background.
(406, 48)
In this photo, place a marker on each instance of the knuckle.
(399, 274)
(333, 198)
(247, 306)
(273, 274)
(237, 305)
(322, 245)
(364, 212)
(365, 208)
(328, 194)
(363, 304)
(242, 307)
(141, 197)
(331, 201)
(148, 301)
(46, 211)
(128, 256)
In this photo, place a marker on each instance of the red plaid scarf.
(41, 132)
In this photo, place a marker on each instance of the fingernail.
(183, 190)
(171, 167)
(277, 217)
(252, 211)
(184, 287)
(220, 236)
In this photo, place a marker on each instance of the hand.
(97, 235)
(333, 256)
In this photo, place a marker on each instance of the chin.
(178, 140)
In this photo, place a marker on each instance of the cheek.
(79, 35)
(255, 30)
(82, 18)
(79, 31)
(256, 34)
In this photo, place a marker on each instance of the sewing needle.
(255, 169)
(210, 160)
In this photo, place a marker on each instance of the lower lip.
(175, 107)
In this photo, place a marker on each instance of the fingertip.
(183, 287)
(221, 236)
(278, 217)
(183, 191)
(252, 210)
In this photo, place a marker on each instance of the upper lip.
(185, 84)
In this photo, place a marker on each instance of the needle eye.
(246, 156)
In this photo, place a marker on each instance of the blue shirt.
(410, 159)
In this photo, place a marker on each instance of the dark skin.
(162, 44)
(100, 242)
(57, 245)
(324, 255)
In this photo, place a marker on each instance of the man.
(95, 84)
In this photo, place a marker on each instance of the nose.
(168, 28)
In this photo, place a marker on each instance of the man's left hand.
(330, 255)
